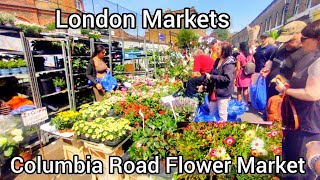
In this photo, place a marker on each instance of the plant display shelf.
(60, 110)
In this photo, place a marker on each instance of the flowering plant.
(9, 142)
(102, 129)
(183, 106)
(227, 141)
(65, 120)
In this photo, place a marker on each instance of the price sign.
(35, 116)
(167, 99)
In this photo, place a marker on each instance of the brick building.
(40, 11)
(169, 35)
(278, 13)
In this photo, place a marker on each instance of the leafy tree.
(222, 34)
(186, 36)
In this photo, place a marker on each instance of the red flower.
(213, 153)
(269, 135)
(277, 151)
(161, 112)
(221, 125)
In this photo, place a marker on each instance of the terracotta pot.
(65, 130)
(163, 163)
(26, 156)
(166, 78)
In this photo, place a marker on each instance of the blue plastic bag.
(22, 109)
(202, 115)
(258, 94)
(108, 82)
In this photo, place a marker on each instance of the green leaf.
(8, 152)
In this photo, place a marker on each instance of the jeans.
(192, 84)
(222, 106)
(294, 147)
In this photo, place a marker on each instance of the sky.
(241, 12)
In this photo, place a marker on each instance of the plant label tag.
(35, 116)
(167, 99)
(142, 116)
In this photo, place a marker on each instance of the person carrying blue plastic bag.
(258, 94)
(98, 74)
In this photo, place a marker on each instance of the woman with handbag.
(221, 81)
(243, 81)
(96, 70)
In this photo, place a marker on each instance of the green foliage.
(274, 34)
(6, 18)
(80, 49)
(186, 36)
(79, 64)
(221, 34)
(12, 64)
(30, 30)
(21, 62)
(59, 82)
(120, 68)
(3, 65)
(120, 78)
(51, 26)
(85, 31)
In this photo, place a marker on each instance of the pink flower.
(274, 133)
(209, 123)
(139, 90)
(229, 141)
(216, 125)
(221, 125)
(213, 153)
(269, 135)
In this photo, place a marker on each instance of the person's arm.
(311, 91)
(226, 76)
(238, 65)
(89, 73)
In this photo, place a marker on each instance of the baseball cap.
(289, 30)
(265, 34)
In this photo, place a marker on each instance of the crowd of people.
(291, 67)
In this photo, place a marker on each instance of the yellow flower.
(243, 126)
(87, 135)
(250, 134)
(86, 128)
(94, 136)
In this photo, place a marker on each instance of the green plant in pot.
(13, 66)
(58, 83)
(120, 68)
(4, 69)
(7, 19)
(30, 31)
(22, 64)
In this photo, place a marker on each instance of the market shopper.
(97, 69)
(243, 81)
(284, 59)
(202, 65)
(262, 54)
(305, 96)
(221, 81)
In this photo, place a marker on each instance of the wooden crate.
(102, 152)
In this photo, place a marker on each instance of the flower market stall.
(137, 116)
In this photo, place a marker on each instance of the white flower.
(257, 144)
(225, 157)
(16, 132)
(220, 152)
(17, 139)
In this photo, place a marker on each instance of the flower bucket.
(26, 156)
(58, 89)
(24, 70)
(4, 71)
(15, 71)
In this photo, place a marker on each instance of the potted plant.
(13, 66)
(22, 64)
(4, 69)
(58, 83)
(7, 19)
(64, 121)
(26, 155)
(30, 30)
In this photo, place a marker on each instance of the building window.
(270, 20)
(277, 19)
(282, 16)
(309, 3)
(296, 8)
(266, 25)
(78, 5)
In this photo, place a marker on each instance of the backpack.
(249, 68)
(280, 108)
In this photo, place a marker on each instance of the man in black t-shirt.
(285, 58)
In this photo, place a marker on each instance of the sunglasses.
(304, 38)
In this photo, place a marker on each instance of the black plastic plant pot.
(83, 137)
(47, 86)
(115, 143)
(95, 140)
(182, 124)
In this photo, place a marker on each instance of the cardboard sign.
(35, 116)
